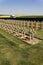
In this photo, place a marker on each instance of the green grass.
(39, 34)
(32, 16)
(14, 51)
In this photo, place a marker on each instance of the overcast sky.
(30, 7)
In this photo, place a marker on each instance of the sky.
(21, 7)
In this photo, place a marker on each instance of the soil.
(26, 39)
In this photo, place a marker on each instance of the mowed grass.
(39, 34)
(14, 51)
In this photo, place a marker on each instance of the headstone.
(31, 33)
(42, 25)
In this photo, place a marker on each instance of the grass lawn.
(14, 51)
(39, 34)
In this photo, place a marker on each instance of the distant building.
(12, 16)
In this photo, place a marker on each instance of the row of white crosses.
(6, 26)
(14, 26)
(29, 23)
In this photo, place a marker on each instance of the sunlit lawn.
(14, 51)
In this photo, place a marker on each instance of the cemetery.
(23, 29)
(21, 32)
(21, 42)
